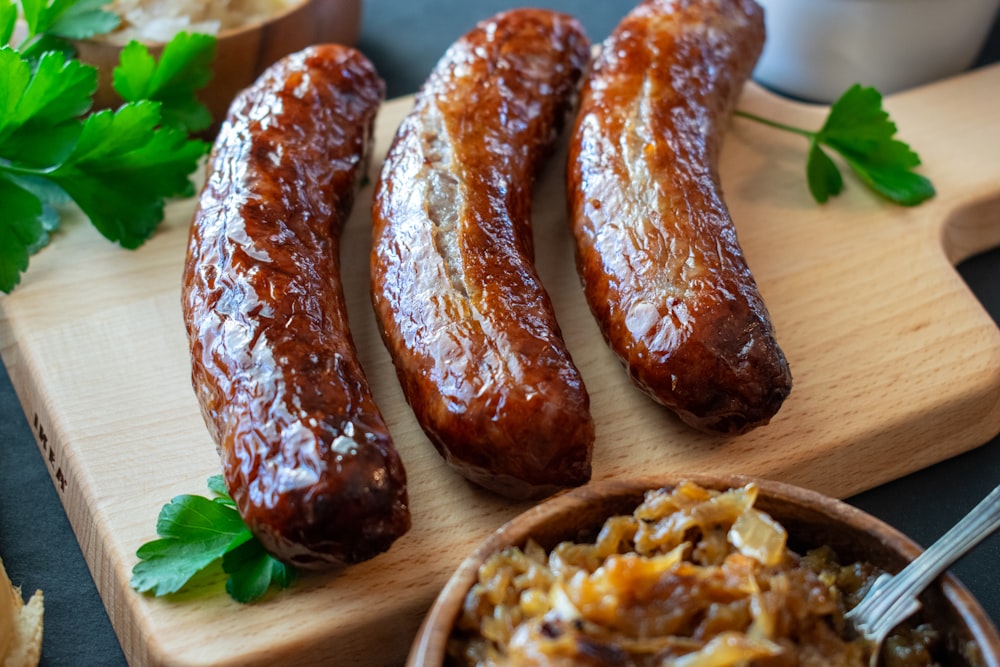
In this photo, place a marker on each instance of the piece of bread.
(20, 625)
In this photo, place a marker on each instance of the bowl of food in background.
(250, 34)
(706, 570)
(816, 49)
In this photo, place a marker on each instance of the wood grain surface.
(896, 367)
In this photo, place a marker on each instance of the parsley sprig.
(118, 166)
(197, 534)
(861, 132)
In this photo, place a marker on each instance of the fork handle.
(894, 598)
(974, 527)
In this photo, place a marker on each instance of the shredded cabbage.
(692, 578)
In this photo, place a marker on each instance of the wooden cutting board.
(896, 367)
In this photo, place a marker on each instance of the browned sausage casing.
(306, 453)
(656, 248)
(467, 322)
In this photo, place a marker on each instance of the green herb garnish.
(119, 166)
(184, 67)
(197, 533)
(51, 23)
(859, 129)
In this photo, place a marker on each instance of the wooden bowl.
(243, 53)
(811, 520)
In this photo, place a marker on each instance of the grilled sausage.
(306, 453)
(469, 326)
(656, 248)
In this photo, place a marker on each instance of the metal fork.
(893, 598)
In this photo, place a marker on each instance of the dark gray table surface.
(404, 40)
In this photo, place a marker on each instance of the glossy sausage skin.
(306, 453)
(463, 313)
(657, 250)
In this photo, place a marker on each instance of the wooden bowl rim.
(428, 647)
(291, 8)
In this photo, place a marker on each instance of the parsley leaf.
(124, 166)
(23, 231)
(252, 570)
(51, 22)
(81, 19)
(40, 110)
(217, 485)
(8, 18)
(184, 67)
(860, 130)
(196, 533)
(118, 167)
(822, 174)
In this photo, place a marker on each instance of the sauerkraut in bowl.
(157, 21)
(690, 574)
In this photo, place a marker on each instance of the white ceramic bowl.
(816, 49)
